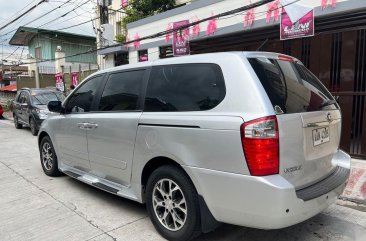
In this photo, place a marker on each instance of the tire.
(162, 201)
(33, 127)
(16, 123)
(48, 158)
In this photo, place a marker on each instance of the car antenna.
(262, 45)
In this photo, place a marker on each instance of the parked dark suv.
(30, 107)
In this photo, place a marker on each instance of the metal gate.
(336, 55)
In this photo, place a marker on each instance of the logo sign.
(181, 39)
(74, 78)
(59, 82)
(124, 3)
(304, 27)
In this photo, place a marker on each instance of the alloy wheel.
(169, 204)
(47, 156)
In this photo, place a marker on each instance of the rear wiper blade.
(328, 102)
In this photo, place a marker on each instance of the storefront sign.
(74, 78)
(124, 3)
(181, 39)
(304, 27)
(59, 82)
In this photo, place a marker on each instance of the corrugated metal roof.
(12, 88)
(24, 35)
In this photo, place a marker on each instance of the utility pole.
(37, 76)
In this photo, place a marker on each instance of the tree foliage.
(139, 9)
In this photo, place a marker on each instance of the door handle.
(92, 126)
(83, 126)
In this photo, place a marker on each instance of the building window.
(166, 52)
(143, 55)
(38, 53)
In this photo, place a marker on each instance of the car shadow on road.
(319, 228)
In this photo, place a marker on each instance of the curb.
(355, 190)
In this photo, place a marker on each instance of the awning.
(12, 88)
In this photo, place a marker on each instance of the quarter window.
(122, 91)
(82, 98)
(188, 87)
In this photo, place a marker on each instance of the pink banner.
(136, 43)
(302, 28)
(249, 18)
(273, 11)
(196, 29)
(59, 79)
(167, 36)
(325, 3)
(74, 78)
(211, 26)
(181, 39)
(124, 3)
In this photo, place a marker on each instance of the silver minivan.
(246, 138)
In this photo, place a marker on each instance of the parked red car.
(1, 111)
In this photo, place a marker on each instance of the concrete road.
(36, 207)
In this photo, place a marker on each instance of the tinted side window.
(122, 91)
(82, 98)
(188, 87)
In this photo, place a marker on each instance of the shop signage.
(181, 39)
(74, 78)
(59, 82)
(304, 27)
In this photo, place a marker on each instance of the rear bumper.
(269, 202)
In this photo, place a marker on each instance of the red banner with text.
(74, 78)
(181, 39)
(59, 82)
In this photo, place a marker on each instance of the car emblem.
(329, 117)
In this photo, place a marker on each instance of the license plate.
(320, 136)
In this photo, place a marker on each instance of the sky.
(9, 9)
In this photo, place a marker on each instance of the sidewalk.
(356, 187)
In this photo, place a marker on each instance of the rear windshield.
(291, 87)
(44, 98)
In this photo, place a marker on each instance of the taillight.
(285, 58)
(261, 146)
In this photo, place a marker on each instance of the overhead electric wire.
(11, 54)
(87, 1)
(52, 10)
(162, 33)
(15, 14)
(77, 24)
(26, 12)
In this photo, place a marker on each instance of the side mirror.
(55, 106)
(24, 104)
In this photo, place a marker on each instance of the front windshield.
(44, 98)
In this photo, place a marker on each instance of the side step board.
(102, 184)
